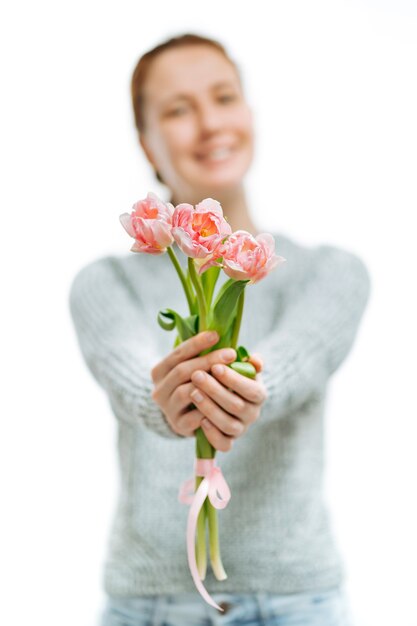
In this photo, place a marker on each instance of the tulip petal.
(208, 204)
(126, 221)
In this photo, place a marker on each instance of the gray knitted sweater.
(275, 533)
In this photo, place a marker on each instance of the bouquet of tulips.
(203, 234)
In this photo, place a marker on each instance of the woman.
(283, 566)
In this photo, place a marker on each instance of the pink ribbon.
(213, 482)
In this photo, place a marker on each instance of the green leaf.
(186, 326)
(194, 307)
(242, 354)
(221, 316)
(166, 325)
(224, 341)
(246, 369)
(209, 279)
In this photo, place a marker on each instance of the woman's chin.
(221, 180)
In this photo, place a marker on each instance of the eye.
(227, 97)
(179, 110)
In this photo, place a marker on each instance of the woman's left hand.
(230, 401)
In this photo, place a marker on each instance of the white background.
(333, 85)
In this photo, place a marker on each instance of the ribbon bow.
(213, 482)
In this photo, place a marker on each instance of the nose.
(210, 119)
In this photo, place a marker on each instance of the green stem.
(204, 450)
(188, 294)
(202, 321)
(238, 320)
(215, 558)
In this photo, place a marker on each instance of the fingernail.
(212, 336)
(198, 377)
(228, 354)
(217, 369)
(196, 395)
(205, 422)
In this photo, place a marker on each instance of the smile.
(216, 156)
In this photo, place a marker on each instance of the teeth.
(218, 155)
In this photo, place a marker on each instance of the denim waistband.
(189, 609)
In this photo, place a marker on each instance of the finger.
(188, 423)
(217, 439)
(179, 401)
(183, 371)
(186, 350)
(251, 390)
(224, 422)
(256, 361)
(227, 400)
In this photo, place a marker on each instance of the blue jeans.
(319, 608)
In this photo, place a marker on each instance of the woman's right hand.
(172, 380)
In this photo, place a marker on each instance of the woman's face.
(198, 127)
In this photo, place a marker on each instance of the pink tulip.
(199, 232)
(149, 224)
(247, 257)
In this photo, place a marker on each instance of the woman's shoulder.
(95, 269)
(300, 252)
(303, 260)
(114, 270)
(332, 261)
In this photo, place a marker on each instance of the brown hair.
(142, 68)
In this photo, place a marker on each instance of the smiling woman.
(283, 565)
(194, 123)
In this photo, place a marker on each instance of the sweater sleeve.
(116, 343)
(316, 330)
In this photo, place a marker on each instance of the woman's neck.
(235, 209)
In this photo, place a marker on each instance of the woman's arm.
(317, 329)
(116, 343)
